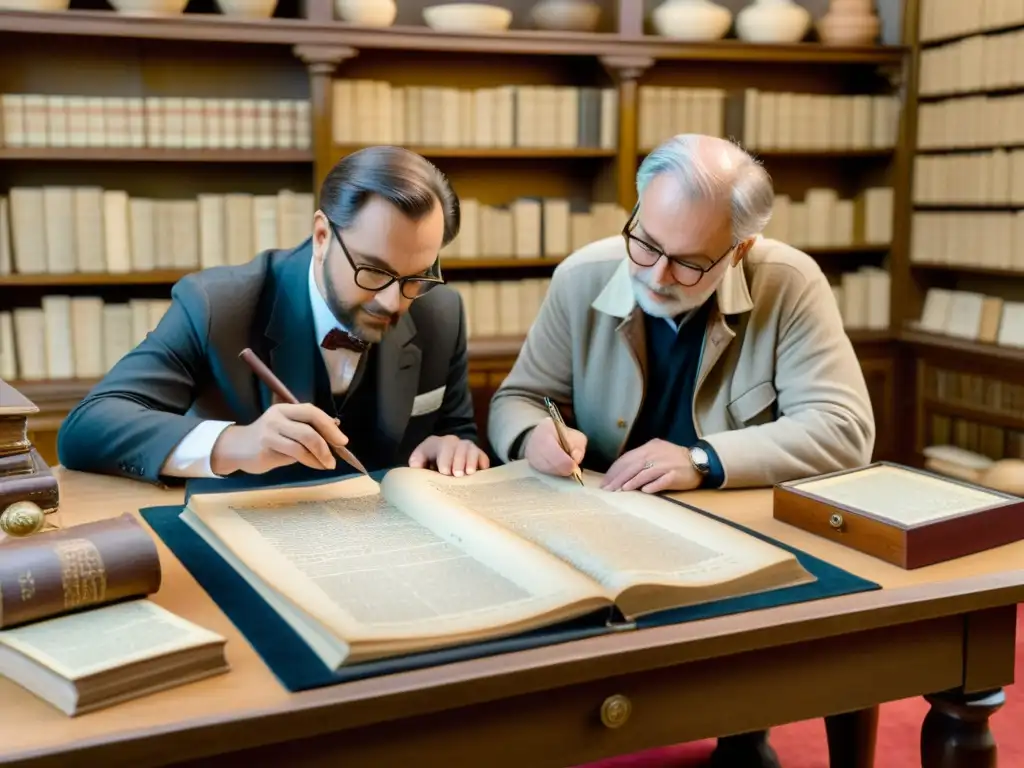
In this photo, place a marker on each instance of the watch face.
(700, 460)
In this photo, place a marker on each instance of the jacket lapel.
(398, 378)
(289, 332)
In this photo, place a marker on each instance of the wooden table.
(948, 628)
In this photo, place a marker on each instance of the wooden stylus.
(556, 416)
(264, 374)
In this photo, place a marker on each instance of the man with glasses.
(690, 352)
(356, 322)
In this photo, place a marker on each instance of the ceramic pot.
(691, 20)
(772, 21)
(34, 5)
(849, 22)
(566, 15)
(368, 13)
(248, 9)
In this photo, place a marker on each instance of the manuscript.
(422, 561)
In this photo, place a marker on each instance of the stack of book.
(24, 474)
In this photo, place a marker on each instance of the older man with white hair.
(690, 351)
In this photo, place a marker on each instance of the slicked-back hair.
(408, 181)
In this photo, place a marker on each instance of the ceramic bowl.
(566, 15)
(467, 17)
(691, 20)
(367, 13)
(150, 7)
(34, 5)
(248, 9)
(772, 22)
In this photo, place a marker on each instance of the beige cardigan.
(774, 345)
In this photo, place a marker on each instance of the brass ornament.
(22, 518)
(836, 521)
(615, 711)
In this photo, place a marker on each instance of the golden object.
(22, 518)
(615, 711)
(836, 521)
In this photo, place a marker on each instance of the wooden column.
(626, 71)
(630, 17)
(322, 62)
(318, 10)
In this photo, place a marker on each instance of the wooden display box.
(905, 516)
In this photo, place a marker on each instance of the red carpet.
(802, 745)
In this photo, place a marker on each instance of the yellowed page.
(82, 644)
(620, 539)
(370, 572)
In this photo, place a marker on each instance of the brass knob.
(615, 711)
(836, 521)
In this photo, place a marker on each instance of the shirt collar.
(324, 320)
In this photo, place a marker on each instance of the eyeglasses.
(645, 254)
(377, 279)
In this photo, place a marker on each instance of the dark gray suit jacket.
(187, 370)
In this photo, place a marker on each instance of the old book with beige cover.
(15, 410)
(908, 517)
(421, 562)
(75, 627)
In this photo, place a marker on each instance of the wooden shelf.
(215, 28)
(511, 153)
(966, 150)
(972, 413)
(961, 346)
(954, 207)
(1006, 90)
(155, 155)
(939, 41)
(961, 269)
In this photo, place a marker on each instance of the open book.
(85, 661)
(422, 561)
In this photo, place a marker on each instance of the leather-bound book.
(15, 409)
(39, 485)
(58, 572)
(16, 464)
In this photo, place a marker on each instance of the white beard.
(674, 301)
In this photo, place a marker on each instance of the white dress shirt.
(191, 457)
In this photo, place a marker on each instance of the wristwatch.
(700, 460)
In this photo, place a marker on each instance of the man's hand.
(284, 434)
(653, 467)
(449, 455)
(544, 453)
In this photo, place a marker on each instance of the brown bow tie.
(338, 339)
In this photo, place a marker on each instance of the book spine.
(88, 565)
(15, 464)
(38, 487)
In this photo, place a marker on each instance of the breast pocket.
(755, 406)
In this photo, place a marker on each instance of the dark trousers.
(745, 750)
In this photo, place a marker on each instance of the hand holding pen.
(554, 448)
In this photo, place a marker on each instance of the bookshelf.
(962, 317)
(585, 177)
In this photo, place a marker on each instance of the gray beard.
(675, 304)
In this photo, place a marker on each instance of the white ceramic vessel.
(248, 9)
(150, 7)
(691, 20)
(467, 17)
(773, 21)
(566, 15)
(368, 13)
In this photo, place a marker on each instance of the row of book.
(949, 18)
(64, 230)
(974, 178)
(989, 440)
(541, 116)
(985, 239)
(73, 337)
(974, 390)
(972, 121)
(40, 120)
(985, 62)
(501, 308)
(864, 296)
(532, 228)
(766, 120)
(973, 316)
(823, 220)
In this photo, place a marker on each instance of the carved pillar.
(626, 71)
(631, 18)
(955, 732)
(318, 10)
(322, 61)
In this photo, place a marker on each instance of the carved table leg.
(955, 733)
(851, 738)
